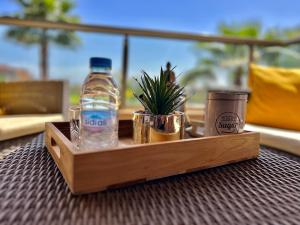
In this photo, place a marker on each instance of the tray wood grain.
(93, 171)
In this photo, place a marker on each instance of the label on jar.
(98, 120)
(227, 123)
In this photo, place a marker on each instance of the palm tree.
(234, 58)
(227, 56)
(51, 10)
(288, 56)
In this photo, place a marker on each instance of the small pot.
(167, 127)
(149, 128)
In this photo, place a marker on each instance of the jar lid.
(227, 95)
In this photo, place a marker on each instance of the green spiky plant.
(158, 96)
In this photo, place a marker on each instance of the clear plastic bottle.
(99, 102)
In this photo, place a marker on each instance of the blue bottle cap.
(100, 62)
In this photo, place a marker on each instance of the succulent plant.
(158, 96)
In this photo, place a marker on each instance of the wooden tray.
(92, 171)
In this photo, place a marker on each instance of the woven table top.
(261, 191)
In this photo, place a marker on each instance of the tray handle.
(60, 147)
(55, 147)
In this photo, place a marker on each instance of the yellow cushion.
(275, 97)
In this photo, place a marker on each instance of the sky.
(145, 53)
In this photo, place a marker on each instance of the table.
(261, 191)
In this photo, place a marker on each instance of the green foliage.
(292, 32)
(50, 10)
(246, 30)
(273, 34)
(158, 96)
(282, 33)
(74, 97)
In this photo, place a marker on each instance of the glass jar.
(225, 112)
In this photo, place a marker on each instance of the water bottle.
(99, 101)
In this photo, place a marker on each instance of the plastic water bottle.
(99, 102)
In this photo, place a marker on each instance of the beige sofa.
(286, 140)
(20, 125)
(26, 106)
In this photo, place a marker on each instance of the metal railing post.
(251, 54)
(250, 57)
(124, 71)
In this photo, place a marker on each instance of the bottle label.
(98, 120)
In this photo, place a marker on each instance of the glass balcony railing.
(201, 61)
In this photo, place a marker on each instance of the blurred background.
(29, 53)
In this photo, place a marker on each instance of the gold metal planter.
(157, 128)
